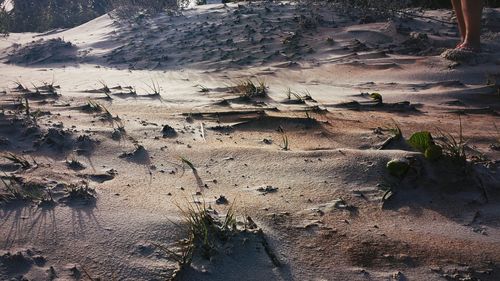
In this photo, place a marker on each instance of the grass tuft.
(154, 88)
(250, 89)
(453, 148)
(203, 89)
(80, 192)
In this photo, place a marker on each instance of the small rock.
(168, 132)
(222, 200)
(267, 189)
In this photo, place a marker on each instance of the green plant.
(376, 97)
(205, 227)
(454, 148)
(424, 142)
(421, 141)
(398, 167)
(396, 131)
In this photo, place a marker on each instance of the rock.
(168, 132)
(267, 189)
(398, 276)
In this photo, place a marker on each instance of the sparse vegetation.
(203, 89)
(80, 192)
(299, 97)
(205, 229)
(74, 164)
(16, 189)
(250, 89)
(50, 87)
(454, 148)
(154, 88)
(105, 89)
(396, 134)
(92, 106)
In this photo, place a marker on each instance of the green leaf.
(421, 141)
(376, 96)
(433, 152)
(398, 167)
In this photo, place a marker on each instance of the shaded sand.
(319, 203)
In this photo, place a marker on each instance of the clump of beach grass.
(250, 89)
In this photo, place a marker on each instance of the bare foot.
(465, 46)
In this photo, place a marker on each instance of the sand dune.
(110, 126)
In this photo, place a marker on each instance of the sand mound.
(43, 51)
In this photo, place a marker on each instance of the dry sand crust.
(103, 124)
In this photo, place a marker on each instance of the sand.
(160, 90)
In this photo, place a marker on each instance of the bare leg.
(457, 7)
(472, 11)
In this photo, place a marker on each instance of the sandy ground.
(325, 221)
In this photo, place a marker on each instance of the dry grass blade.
(25, 164)
(187, 162)
(284, 137)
